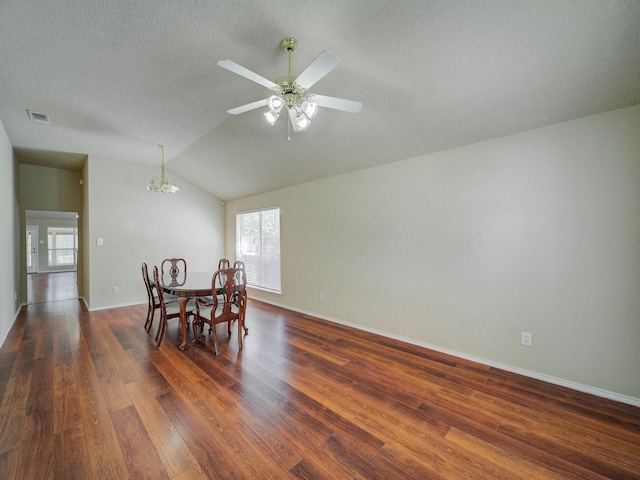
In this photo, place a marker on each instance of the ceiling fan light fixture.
(271, 117)
(310, 108)
(302, 121)
(275, 103)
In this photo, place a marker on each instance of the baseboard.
(15, 317)
(502, 366)
(51, 271)
(107, 307)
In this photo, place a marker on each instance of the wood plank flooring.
(51, 287)
(88, 396)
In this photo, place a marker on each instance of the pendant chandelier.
(162, 184)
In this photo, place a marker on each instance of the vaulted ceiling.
(119, 78)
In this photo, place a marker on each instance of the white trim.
(265, 290)
(107, 307)
(65, 270)
(15, 317)
(34, 268)
(502, 366)
(257, 210)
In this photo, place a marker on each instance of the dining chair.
(168, 310)
(223, 263)
(223, 308)
(153, 303)
(173, 265)
(238, 264)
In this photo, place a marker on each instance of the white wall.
(140, 226)
(9, 235)
(465, 249)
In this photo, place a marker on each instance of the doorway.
(32, 249)
(51, 256)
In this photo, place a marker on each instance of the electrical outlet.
(527, 339)
(322, 297)
(116, 289)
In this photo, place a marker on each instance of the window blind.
(258, 246)
(62, 244)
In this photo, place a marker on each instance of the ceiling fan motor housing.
(289, 90)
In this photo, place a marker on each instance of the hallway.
(51, 287)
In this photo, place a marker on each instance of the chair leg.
(240, 328)
(215, 339)
(151, 318)
(197, 324)
(146, 323)
(160, 334)
(244, 326)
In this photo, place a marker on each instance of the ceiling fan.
(291, 92)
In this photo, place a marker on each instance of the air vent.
(39, 117)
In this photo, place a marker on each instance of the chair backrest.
(158, 285)
(173, 265)
(228, 290)
(238, 264)
(147, 281)
(223, 264)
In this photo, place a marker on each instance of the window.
(258, 246)
(62, 243)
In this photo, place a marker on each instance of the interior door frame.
(34, 249)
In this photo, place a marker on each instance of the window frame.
(52, 234)
(263, 273)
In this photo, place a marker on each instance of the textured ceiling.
(118, 78)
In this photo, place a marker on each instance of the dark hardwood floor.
(88, 396)
(51, 287)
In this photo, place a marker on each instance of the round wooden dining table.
(186, 285)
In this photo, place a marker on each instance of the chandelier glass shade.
(162, 184)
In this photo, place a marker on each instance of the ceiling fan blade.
(336, 103)
(246, 73)
(248, 106)
(323, 64)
